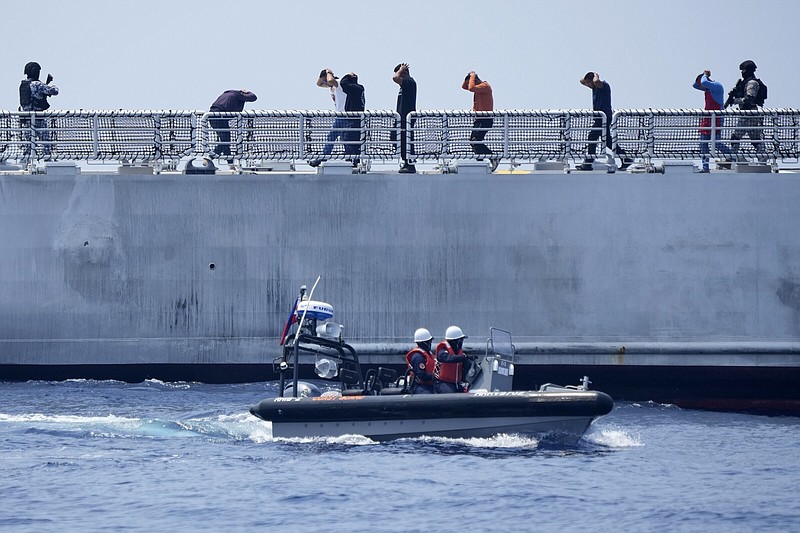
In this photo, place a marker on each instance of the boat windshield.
(500, 344)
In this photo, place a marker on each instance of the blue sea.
(154, 456)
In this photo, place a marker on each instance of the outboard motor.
(314, 310)
(317, 319)
(315, 334)
(304, 390)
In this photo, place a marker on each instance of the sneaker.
(704, 171)
(408, 169)
(626, 162)
(584, 166)
(315, 162)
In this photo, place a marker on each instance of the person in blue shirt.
(601, 101)
(715, 100)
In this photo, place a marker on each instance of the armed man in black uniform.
(749, 94)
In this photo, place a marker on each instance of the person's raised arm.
(470, 79)
(479, 87)
(247, 96)
(329, 80)
(401, 73)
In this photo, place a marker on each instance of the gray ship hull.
(108, 270)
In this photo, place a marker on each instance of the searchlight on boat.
(326, 368)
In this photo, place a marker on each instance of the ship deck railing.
(674, 134)
(163, 138)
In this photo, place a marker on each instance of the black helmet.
(747, 66)
(32, 69)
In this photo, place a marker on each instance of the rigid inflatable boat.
(378, 404)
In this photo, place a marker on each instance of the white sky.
(180, 54)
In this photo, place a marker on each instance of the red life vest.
(430, 365)
(705, 122)
(448, 372)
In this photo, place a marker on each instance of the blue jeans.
(704, 148)
(337, 133)
(353, 135)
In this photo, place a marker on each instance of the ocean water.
(110, 456)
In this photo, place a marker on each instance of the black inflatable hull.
(557, 416)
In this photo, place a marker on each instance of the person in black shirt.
(355, 102)
(231, 101)
(601, 101)
(406, 103)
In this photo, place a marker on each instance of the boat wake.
(241, 427)
(612, 436)
(598, 440)
(214, 427)
(499, 441)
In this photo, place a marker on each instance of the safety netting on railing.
(135, 136)
(665, 134)
(526, 135)
(518, 136)
(299, 135)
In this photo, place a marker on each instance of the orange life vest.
(448, 372)
(430, 365)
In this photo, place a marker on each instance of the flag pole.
(296, 376)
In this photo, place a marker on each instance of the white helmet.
(422, 335)
(453, 333)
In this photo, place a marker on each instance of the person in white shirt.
(329, 80)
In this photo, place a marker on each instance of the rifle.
(731, 96)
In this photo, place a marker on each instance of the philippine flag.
(291, 320)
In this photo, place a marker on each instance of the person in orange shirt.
(482, 101)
